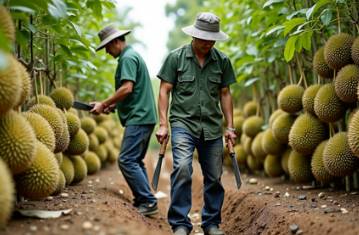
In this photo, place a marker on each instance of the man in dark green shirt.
(198, 77)
(137, 112)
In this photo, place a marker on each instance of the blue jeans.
(133, 150)
(211, 160)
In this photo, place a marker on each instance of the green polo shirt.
(195, 101)
(138, 108)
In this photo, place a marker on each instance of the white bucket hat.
(109, 33)
(206, 27)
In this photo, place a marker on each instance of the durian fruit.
(327, 105)
(241, 155)
(10, 84)
(7, 25)
(43, 131)
(112, 153)
(41, 99)
(346, 83)
(61, 183)
(101, 134)
(253, 164)
(269, 144)
(355, 51)
(93, 162)
(59, 158)
(238, 123)
(17, 142)
(62, 97)
(247, 144)
(274, 116)
(337, 50)
(250, 108)
(237, 112)
(101, 152)
(80, 169)
(73, 123)
(73, 111)
(281, 127)
(93, 142)
(290, 98)
(252, 126)
(7, 194)
(67, 167)
(306, 133)
(41, 179)
(284, 160)
(299, 167)
(53, 117)
(353, 133)
(308, 98)
(78, 144)
(88, 124)
(319, 172)
(26, 87)
(63, 141)
(320, 66)
(272, 165)
(338, 159)
(257, 149)
(101, 118)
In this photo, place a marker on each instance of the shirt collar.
(189, 52)
(123, 51)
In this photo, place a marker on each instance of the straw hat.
(109, 33)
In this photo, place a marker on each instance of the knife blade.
(161, 155)
(235, 167)
(82, 106)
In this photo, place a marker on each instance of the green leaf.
(290, 48)
(66, 49)
(57, 9)
(291, 24)
(306, 39)
(311, 11)
(76, 28)
(23, 9)
(251, 81)
(326, 17)
(274, 29)
(271, 2)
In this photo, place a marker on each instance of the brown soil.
(104, 200)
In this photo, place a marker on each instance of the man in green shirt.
(137, 112)
(198, 77)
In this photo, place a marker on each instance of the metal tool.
(235, 167)
(161, 155)
(82, 106)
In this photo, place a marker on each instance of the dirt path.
(102, 205)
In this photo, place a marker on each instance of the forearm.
(227, 107)
(119, 95)
(163, 102)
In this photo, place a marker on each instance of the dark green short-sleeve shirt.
(138, 108)
(196, 91)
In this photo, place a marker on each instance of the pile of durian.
(45, 145)
(314, 133)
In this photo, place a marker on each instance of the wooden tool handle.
(230, 146)
(164, 145)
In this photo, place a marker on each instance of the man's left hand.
(230, 135)
(98, 107)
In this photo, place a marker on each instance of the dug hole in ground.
(101, 205)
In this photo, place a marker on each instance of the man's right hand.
(162, 134)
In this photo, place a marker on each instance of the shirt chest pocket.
(186, 84)
(214, 84)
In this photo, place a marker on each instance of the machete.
(235, 167)
(84, 106)
(161, 155)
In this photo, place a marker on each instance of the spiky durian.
(284, 160)
(101, 134)
(41, 99)
(80, 169)
(256, 147)
(238, 123)
(10, 84)
(88, 124)
(241, 155)
(306, 133)
(93, 162)
(62, 97)
(355, 51)
(101, 152)
(299, 167)
(320, 66)
(7, 25)
(327, 105)
(346, 83)
(269, 144)
(61, 183)
(250, 108)
(319, 172)
(78, 144)
(26, 86)
(252, 126)
(338, 159)
(272, 165)
(73, 111)
(40, 180)
(43, 131)
(67, 167)
(308, 98)
(73, 123)
(17, 145)
(63, 141)
(281, 127)
(290, 98)
(353, 133)
(337, 50)
(253, 163)
(59, 157)
(274, 116)
(7, 194)
(93, 142)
